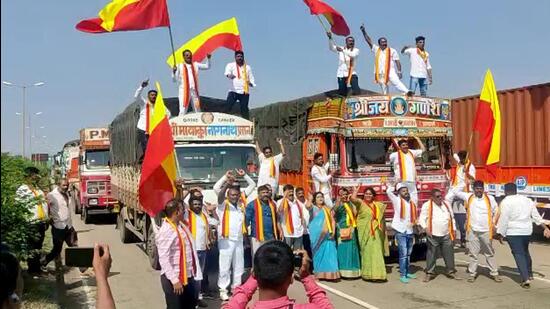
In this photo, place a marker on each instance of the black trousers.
(307, 247)
(60, 236)
(242, 99)
(186, 300)
(143, 138)
(343, 87)
(35, 243)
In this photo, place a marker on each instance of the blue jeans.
(405, 247)
(520, 250)
(201, 254)
(421, 82)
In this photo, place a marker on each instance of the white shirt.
(142, 121)
(201, 237)
(394, 56)
(478, 211)
(25, 195)
(238, 83)
(410, 165)
(296, 220)
(458, 207)
(517, 215)
(461, 175)
(236, 219)
(441, 215)
(305, 213)
(248, 191)
(177, 77)
(59, 209)
(320, 177)
(344, 57)
(401, 225)
(264, 176)
(419, 67)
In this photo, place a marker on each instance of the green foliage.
(15, 226)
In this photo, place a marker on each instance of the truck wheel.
(151, 248)
(85, 216)
(126, 236)
(77, 206)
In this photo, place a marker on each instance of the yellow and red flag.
(225, 34)
(158, 172)
(337, 22)
(487, 124)
(124, 15)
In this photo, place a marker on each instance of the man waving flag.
(337, 22)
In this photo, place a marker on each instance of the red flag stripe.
(227, 40)
(484, 123)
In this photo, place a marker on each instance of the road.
(135, 285)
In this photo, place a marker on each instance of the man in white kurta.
(347, 62)
(465, 173)
(269, 166)
(186, 75)
(291, 218)
(404, 165)
(242, 79)
(321, 178)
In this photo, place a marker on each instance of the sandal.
(525, 285)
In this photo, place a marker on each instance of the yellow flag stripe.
(159, 112)
(489, 94)
(110, 11)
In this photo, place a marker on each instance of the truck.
(207, 144)
(355, 133)
(91, 195)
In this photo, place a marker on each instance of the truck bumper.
(106, 209)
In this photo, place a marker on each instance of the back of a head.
(510, 189)
(273, 264)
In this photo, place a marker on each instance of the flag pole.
(172, 44)
(324, 27)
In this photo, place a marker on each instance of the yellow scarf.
(423, 54)
(41, 214)
(386, 66)
(350, 218)
(489, 214)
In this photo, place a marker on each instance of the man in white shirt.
(60, 216)
(347, 62)
(481, 210)
(291, 218)
(228, 179)
(517, 215)
(321, 178)
(404, 165)
(307, 209)
(386, 60)
(242, 79)
(270, 165)
(231, 228)
(436, 218)
(186, 75)
(421, 69)
(34, 199)
(404, 218)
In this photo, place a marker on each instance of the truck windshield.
(96, 159)
(210, 163)
(372, 154)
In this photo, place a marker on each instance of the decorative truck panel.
(94, 138)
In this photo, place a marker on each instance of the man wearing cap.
(30, 195)
(404, 218)
(481, 210)
(517, 215)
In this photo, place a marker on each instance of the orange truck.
(355, 134)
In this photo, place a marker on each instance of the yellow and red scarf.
(386, 66)
(185, 79)
(183, 257)
(430, 219)
(350, 71)
(375, 220)
(403, 166)
(192, 223)
(466, 171)
(287, 210)
(40, 211)
(412, 208)
(245, 76)
(225, 221)
(350, 218)
(328, 219)
(489, 214)
(423, 54)
(272, 170)
(258, 211)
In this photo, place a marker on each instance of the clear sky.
(91, 78)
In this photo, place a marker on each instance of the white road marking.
(505, 271)
(347, 296)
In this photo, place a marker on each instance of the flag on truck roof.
(337, 22)
(124, 15)
(158, 171)
(225, 34)
(487, 124)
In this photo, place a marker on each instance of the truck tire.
(85, 215)
(77, 206)
(126, 236)
(151, 249)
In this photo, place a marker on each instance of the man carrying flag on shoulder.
(347, 62)
(186, 75)
(386, 60)
(261, 216)
(242, 78)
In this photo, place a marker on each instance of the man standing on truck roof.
(481, 210)
(292, 219)
(465, 173)
(386, 60)
(147, 108)
(269, 165)
(436, 218)
(421, 69)
(261, 216)
(241, 75)
(404, 218)
(231, 229)
(347, 62)
(404, 165)
(186, 75)
(321, 178)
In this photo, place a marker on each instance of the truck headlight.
(93, 190)
(92, 201)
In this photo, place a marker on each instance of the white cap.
(399, 186)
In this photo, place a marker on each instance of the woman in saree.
(348, 249)
(371, 229)
(323, 245)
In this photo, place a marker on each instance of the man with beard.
(347, 62)
(241, 75)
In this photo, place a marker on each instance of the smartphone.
(79, 256)
(298, 260)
